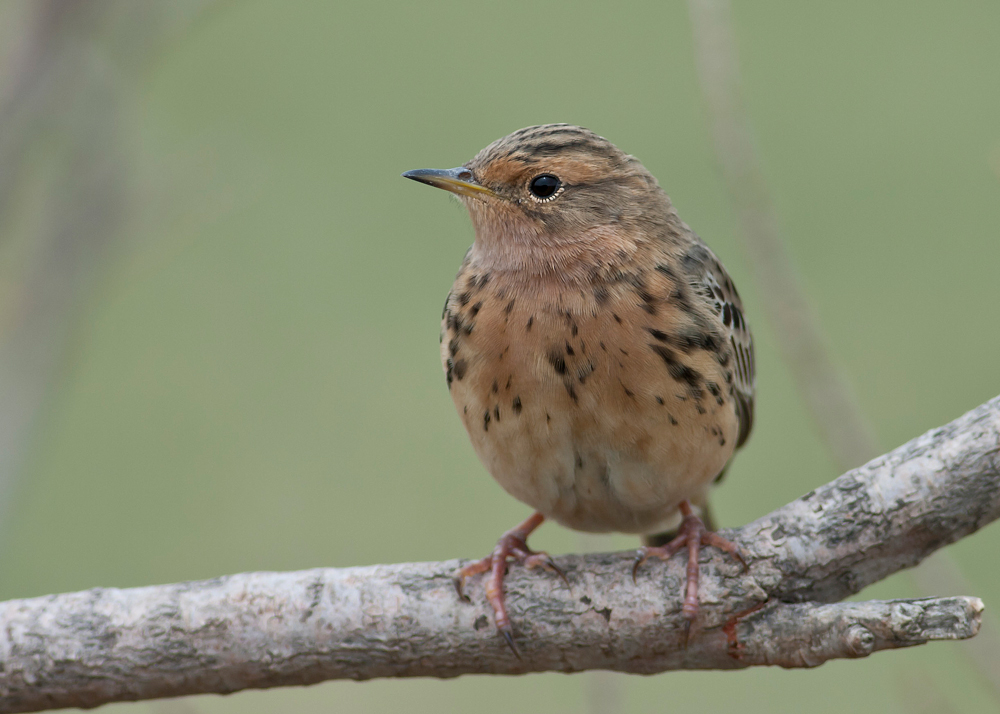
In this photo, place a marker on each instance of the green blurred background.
(219, 302)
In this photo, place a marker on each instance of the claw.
(558, 571)
(459, 583)
(544, 560)
(640, 558)
(508, 635)
(687, 634)
(480, 566)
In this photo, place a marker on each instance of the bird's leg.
(693, 534)
(511, 546)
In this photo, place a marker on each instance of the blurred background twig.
(67, 81)
(826, 391)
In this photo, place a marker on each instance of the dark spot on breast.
(509, 378)
(569, 350)
(679, 297)
(510, 306)
(486, 420)
(467, 329)
(547, 418)
(481, 281)
(623, 351)
(517, 405)
(496, 387)
(444, 311)
(700, 408)
(692, 338)
(572, 393)
(530, 321)
(556, 360)
(603, 348)
(454, 322)
(658, 334)
(496, 413)
(474, 310)
(574, 330)
(460, 368)
(453, 346)
(648, 302)
(659, 400)
(672, 420)
(677, 369)
(464, 298)
(666, 270)
(465, 409)
(584, 371)
(579, 460)
(716, 392)
(617, 319)
(601, 294)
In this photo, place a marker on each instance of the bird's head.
(553, 187)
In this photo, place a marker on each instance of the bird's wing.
(713, 282)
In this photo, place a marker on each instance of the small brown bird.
(595, 348)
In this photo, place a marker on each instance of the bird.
(595, 349)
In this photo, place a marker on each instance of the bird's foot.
(512, 546)
(693, 534)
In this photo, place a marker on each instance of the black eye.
(544, 186)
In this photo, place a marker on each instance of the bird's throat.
(524, 250)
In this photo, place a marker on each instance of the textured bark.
(258, 630)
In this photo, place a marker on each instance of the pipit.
(595, 349)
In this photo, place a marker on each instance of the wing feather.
(710, 278)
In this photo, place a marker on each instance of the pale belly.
(599, 438)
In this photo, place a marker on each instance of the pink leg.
(692, 534)
(511, 546)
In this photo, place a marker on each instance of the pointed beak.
(458, 180)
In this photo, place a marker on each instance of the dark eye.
(544, 186)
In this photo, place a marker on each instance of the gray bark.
(257, 630)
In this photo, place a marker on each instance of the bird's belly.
(595, 454)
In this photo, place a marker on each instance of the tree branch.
(258, 630)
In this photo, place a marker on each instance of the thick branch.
(272, 629)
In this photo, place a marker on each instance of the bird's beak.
(458, 180)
